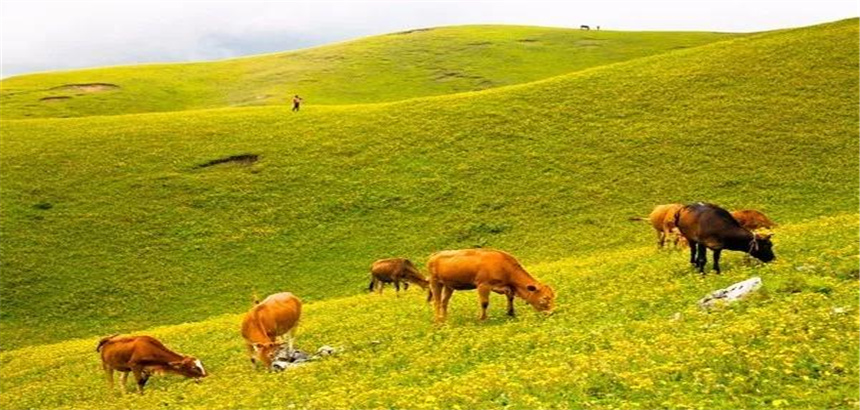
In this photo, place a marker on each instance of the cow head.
(266, 352)
(412, 274)
(541, 297)
(189, 367)
(762, 248)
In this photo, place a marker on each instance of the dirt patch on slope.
(54, 99)
(88, 87)
(244, 159)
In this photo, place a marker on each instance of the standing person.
(297, 101)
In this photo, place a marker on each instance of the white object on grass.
(731, 293)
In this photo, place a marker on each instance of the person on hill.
(297, 102)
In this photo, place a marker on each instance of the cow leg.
(693, 253)
(123, 377)
(702, 256)
(108, 375)
(446, 297)
(717, 253)
(397, 287)
(372, 283)
(379, 286)
(251, 354)
(484, 298)
(291, 337)
(405, 286)
(661, 238)
(510, 295)
(436, 293)
(140, 377)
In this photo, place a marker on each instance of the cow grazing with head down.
(709, 226)
(750, 219)
(276, 315)
(487, 271)
(395, 270)
(662, 219)
(142, 356)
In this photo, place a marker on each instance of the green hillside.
(374, 69)
(130, 223)
(102, 216)
(626, 334)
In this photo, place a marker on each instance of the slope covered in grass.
(375, 69)
(626, 334)
(110, 221)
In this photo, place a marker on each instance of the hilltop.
(397, 66)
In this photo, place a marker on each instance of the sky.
(42, 35)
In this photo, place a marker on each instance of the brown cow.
(662, 218)
(709, 226)
(487, 270)
(276, 315)
(750, 219)
(143, 355)
(395, 270)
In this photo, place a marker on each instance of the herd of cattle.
(701, 226)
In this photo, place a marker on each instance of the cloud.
(37, 35)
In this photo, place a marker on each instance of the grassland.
(375, 69)
(627, 334)
(108, 224)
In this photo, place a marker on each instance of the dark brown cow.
(395, 270)
(486, 270)
(276, 315)
(750, 219)
(709, 226)
(142, 356)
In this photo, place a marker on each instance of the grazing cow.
(395, 270)
(276, 315)
(142, 356)
(584, 27)
(750, 219)
(486, 270)
(662, 218)
(709, 226)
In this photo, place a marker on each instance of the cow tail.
(104, 340)
(636, 218)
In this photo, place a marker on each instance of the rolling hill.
(392, 67)
(126, 222)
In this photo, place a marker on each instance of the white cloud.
(40, 35)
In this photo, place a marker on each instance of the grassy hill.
(112, 224)
(626, 334)
(375, 69)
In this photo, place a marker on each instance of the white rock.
(731, 293)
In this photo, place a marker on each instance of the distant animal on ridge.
(487, 271)
(751, 219)
(275, 316)
(584, 27)
(395, 270)
(142, 356)
(709, 226)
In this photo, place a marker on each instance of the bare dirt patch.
(54, 99)
(243, 159)
(88, 87)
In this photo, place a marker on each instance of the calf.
(143, 355)
(486, 270)
(276, 315)
(750, 219)
(709, 226)
(395, 270)
(662, 218)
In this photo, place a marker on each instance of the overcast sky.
(39, 35)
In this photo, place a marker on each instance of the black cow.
(708, 225)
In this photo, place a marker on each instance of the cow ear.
(531, 288)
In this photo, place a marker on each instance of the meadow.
(110, 224)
